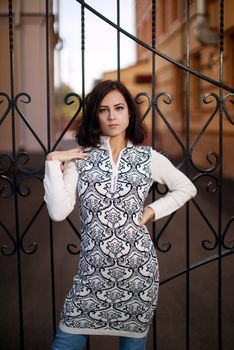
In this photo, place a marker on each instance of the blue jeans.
(66, 341)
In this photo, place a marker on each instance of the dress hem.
(101, 331)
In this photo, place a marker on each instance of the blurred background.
(176, 57)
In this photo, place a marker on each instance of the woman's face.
(113, 114)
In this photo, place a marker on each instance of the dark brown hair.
(88, 133)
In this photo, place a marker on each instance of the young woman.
(116, 288)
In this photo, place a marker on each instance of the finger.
(75, 149)
(83, 155)
(146, 216)
(142, 222)
(77, 156)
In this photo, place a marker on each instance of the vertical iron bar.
(48, 78)
(49, 148)
(153, 14)
(221, 47)
(19, 272)
(153, 68)
(83, 78)
(118, 40)
(11, 52)
(83, 52)
(187, 113)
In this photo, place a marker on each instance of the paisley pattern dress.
(115, 291)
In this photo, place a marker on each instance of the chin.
(115, 133)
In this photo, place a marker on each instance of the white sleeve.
(60, 188)
(180, 188)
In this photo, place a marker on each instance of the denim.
(66, 341)
(126, 343)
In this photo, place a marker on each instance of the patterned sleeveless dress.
(115, 291)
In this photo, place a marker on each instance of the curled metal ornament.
(9, 105)
(72, 248)
(23, 159)
(69, 99)
(207, 98)
(208, 245)
(9, 160)
(211, 187)
(168, 100)
(229, 244)
(209, 156)
(5, 248)
(166, 246)
(156, 186)
(31, 247)
(225, 108)
(26, 98)
(24, 192)
(140, 98)
(7, 189)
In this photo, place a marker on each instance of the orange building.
(203, 58)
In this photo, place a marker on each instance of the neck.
(118, 142)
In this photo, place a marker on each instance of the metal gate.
(17, 254)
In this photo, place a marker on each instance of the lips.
(113, 125)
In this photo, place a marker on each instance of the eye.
(102, 110)
(119, 108)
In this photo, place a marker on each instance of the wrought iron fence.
(14, 177)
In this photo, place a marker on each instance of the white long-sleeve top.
(61, 187)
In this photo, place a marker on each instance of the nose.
(111, 115)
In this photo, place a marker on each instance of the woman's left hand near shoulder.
(69, 155)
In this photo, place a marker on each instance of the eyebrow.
(117, 104)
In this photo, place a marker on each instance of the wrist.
(151, 212)
(51, 156)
